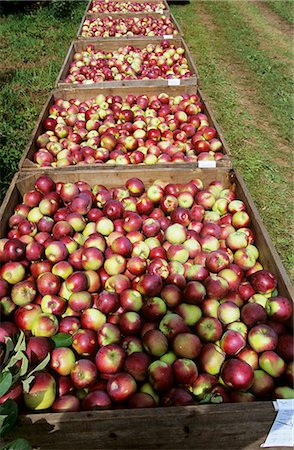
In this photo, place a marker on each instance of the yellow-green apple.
(262, 337)
(42, 392)
(272, 363)
(211, 358)
(62, 360)
(92, 319)
(23, 293)
(108, 333)
(190, 313)
(209, 329)
(12, 272)
(45, 325)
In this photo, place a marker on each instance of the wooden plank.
(212, 119)
(110, 45)
(202, 427)
(38, 129)
(9, 202)
(26, 161)
(123, 16)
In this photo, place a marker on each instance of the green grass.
(284, 8)
(33, 47)
(250, 94)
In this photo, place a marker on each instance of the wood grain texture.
(202, 427)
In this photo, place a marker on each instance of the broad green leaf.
(27, 383)
(14, 359)
(40, 366)
(2, 419)
(18, 444)
(24, 366)
(21, 343)
(5, 382)
(10, 409)
(9, 347)
(62, 340)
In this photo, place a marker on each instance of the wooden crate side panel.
(65, 66)
(28, 155)
(67, 94)
(10, 200)
(177, 24)
(81, 24)
(268, 254)
(212, 119)
(232, 426)
(123, 91)
(117, 176)
(113, 44)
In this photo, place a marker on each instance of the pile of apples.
(128, 26)
(138, 129)
(110, 6)
(162, 61)
(159, 289)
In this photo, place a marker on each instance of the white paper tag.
(174, 82)
(168, 36)
(287, 404)
(206, 164)
(281, 433)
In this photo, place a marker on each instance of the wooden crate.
(231, 425)
(24, 181)
(109, 45)
(26, 162)
(166, 7)
(124, 16)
